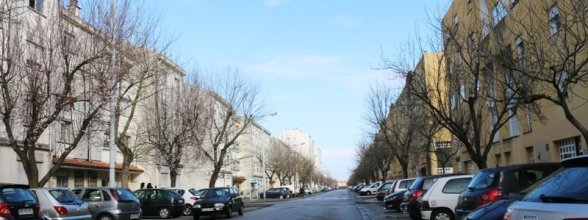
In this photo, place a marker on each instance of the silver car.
(110, 203)
(563, 195)
(57, 203)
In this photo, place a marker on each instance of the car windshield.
(195, 192)
(482, 180)
(65, 197)
(15, 195)
(570, 185)
(213, 193)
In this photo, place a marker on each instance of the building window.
(561, 80)
(469, 6)
(36, 5)
(62, 180)
(498, 159)
(520, 47)
(529, 114)
(65, 132)
(67, 42)
(92, 179)
(567, 148)
(469, 166)
(78, 179)
(499, 11)
(554, 22)
(507, 158)
(484, 18)
(455, 21)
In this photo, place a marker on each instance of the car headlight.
(219, 206)
(197, 206)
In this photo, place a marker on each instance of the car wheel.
(164, 213)
(105, 217)
(229, 212)
(369, 193)
(442, 214)
(187, 210)
(240, 211)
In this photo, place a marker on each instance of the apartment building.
(522, 48)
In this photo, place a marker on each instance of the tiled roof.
(96, 164)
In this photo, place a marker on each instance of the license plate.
(207, 209)
(25, 211)
(134, 216)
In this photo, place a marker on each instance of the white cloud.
(274, 3)
(347, 22)
(318, 67)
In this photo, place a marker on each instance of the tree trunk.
(214, 176)
(404, 170)
(173, 174)
(33, 170)
(125, 170)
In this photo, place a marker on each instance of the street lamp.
(263, 160)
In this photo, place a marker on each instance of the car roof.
(575, 161)
(12, 185)
(518, 166)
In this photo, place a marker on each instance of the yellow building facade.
(536, 38)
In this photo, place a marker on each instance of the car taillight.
(5, 210)
(489, 196)
(60, 210)
(507, 215)
(194, 198)
(114, 195)
(416, 194)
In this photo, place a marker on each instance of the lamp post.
(263, 161)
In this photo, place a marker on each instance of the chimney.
(73, 7)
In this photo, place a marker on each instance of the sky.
(314, 59)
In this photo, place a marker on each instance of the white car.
(371, 189)
(401, 185)
(440, 200)
(563, 195)
(190, 196)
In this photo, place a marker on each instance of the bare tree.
(177, 122)
(304, 170)
(48, 79)
(549, 60)
(237, 104)
(466, 87)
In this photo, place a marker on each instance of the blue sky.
(314, 59)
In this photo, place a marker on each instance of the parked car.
(393, 200)
(491, 183)
(161, 202)
(370, 189)
(564, 195)
(58, 203)
(384, 190)
(494, 210)
(17, 202)
(189, 195)
(440, 200)
(221, 200)
(411, 202)
(402, 185)
(110, 203)
(280, 193)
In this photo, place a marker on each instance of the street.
(337, 204)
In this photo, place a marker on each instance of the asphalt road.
(337, 204)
